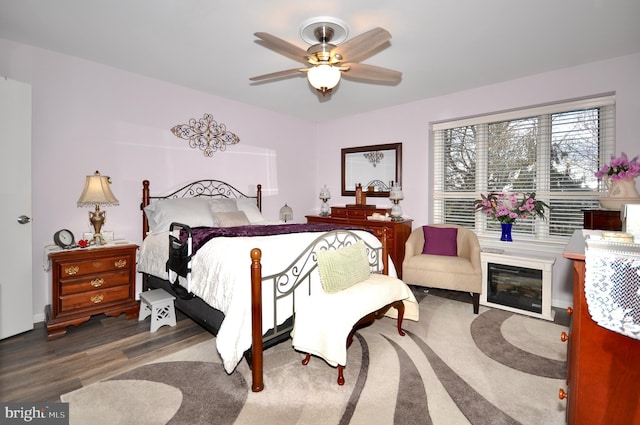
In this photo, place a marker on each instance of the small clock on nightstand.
(64, 239)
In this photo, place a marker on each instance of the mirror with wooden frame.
(375, 167)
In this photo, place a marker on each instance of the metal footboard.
(288, 282)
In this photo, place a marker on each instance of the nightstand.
(90, 281)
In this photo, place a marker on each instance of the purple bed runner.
(201, 235)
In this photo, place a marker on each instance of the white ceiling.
(440, 46)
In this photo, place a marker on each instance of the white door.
(16, 301)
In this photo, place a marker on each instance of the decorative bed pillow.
(248, 205)
(223, 205)
(190, 211)
(440, 241)
(344, 267)
(231, 219)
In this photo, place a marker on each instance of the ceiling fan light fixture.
(328, 56)
(323, 77)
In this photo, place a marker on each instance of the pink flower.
(506, 208)
(620, 168)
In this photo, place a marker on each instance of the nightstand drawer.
(93, 298)
(93, 282)
(79, 268)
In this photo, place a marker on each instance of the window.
(552, 150)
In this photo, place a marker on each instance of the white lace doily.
(612, 286)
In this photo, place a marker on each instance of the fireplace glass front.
(513, 286)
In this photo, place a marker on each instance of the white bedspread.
(221, 276)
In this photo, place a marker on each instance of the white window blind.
(552, 150)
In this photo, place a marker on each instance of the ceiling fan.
(329, 57)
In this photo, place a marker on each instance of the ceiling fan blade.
(279, 74)
(281, 46)
(371, 73)
(363, 45)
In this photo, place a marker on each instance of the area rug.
(451, 367)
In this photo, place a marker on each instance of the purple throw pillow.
(440, 241)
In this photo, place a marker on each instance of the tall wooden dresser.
(397, 231)
(603, 367)
(85, 282)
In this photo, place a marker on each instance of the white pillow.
(231, 218)
(190, 211)
(223, 204)
(249, 207)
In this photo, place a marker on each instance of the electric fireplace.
(518, 282)
(517, 287)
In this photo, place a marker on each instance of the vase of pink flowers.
(508, 207)
(619, 178)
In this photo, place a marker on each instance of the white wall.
(89, 117)
(409, 124)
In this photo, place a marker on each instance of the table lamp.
(286, 213)
(97, 192)
(396, 195)
(325, 195)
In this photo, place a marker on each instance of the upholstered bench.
(327, 319)
(157, 303)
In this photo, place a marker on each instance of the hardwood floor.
(37, 370)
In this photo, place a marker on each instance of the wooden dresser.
(603, 382)
(397, 231)
(602, 220)
(91, 281)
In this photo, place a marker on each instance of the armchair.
(451, 261)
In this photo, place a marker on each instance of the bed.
(246, 276)
(156, 275)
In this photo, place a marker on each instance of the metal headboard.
(208, 188)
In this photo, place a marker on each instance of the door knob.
(23, 219)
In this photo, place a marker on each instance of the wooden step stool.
(159, 304)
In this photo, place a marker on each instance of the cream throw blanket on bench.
(324, 321)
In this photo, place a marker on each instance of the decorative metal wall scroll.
(374, 157)
(206, 134)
